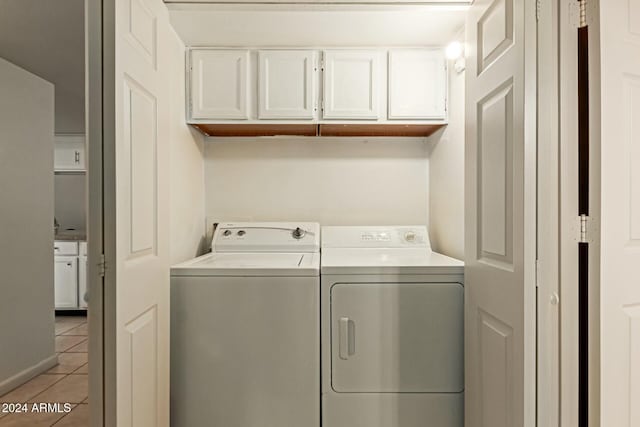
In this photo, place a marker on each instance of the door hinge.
(581, 13)
(102, 266)
(538, 7)
(537, 273)
(583, 229)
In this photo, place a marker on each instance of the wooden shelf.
(344, 130)
(267, 129)
(378, 130)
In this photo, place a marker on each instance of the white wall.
(446, 175)
(26, 225)
(315, 25)
(47, 38)
(332, 181)
(71, 200)
(187, 169)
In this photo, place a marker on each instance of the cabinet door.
(351, 84)
(286, 85)
(65, 248)
(219, 84)
(69, 152)
(417, 84)
(82, 281)
(66, 282)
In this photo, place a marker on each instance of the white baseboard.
(25, 375)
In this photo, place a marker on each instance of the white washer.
(392, 330)
(245, 334)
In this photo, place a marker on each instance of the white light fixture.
(454, 50)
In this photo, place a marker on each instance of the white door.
(218, 81)
(136, 216)
(351, 84)
(620, 212)
(286, 84)
(417, 84)
(500, 214)
(65, 281)
(367, 348)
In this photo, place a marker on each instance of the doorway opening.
(44, 370)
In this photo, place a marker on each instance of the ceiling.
(46, 37)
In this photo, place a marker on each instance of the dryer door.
(397, 337)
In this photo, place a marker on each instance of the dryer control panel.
(375, 237)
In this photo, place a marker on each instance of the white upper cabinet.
(219, 80)
(351, 84)
(286, 84)
(69, 152)
(332, 86)
(417, 84)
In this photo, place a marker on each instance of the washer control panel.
(266, 237)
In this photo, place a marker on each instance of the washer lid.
(250, 264)
(388, 261)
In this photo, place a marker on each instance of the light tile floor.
(65, 383)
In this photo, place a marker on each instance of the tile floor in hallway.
(65, 383)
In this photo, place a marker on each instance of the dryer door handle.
(347, 344)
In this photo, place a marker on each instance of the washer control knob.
(298, 233)
(241, 233)
(227, 233)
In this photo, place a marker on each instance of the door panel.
(286, 84)
(495, 172)
(218, 82)
(500, 214)
(397, 337)
(137, 282)
(351, 84)
(619, 322)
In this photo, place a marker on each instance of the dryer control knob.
(227, 233)
(410, 236)
(298, 233)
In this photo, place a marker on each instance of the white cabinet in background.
(69, 152)
(417, 84)
(351, 84)
(219, 80)
(82, 281)
(286, 84)
(66, 281)
(82, 275)
(65, 248)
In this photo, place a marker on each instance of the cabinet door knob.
(77, 156)
(69, 264)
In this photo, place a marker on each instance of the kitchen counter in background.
(71, 236)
